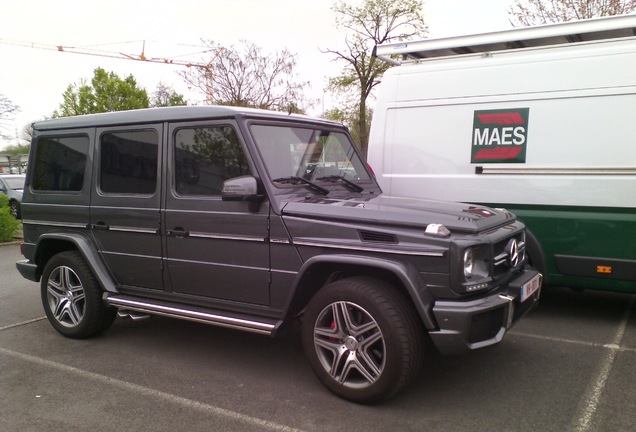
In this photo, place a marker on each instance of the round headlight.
(469, 263)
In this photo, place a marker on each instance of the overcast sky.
(34, 79)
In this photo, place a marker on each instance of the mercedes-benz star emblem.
(512, 248)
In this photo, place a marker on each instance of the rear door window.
(129, 162)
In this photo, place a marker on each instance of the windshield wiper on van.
(295, 180)
(333, 178)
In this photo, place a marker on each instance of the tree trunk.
(363, 135)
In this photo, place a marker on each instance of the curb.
(11, 243)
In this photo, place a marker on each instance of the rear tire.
(363, 339)
(72, 298)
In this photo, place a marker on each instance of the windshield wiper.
(333, 178)
(296, 180)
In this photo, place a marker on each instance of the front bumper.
(473, 324)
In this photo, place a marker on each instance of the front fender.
(415, 286)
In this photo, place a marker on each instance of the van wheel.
(363, 339)
(72, 298)
(14, 209)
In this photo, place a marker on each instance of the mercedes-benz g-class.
(251, 219)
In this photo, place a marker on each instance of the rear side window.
(60, 163)
(129, 162)
(205, 157)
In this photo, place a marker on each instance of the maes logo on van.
(500, 136)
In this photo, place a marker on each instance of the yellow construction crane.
(111, 54)
(207, 67)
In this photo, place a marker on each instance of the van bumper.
(28, 270)
(474, 324)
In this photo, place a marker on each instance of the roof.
(552, 34)
(158, 115)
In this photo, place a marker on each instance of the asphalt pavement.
(568, 366)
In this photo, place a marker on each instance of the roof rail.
(620, 26)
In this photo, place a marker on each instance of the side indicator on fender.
(604, 269)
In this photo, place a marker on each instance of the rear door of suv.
(125, 202)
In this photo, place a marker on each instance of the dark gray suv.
(252, 220)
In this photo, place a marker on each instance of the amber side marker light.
(604, 269)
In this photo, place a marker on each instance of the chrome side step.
(126, 304)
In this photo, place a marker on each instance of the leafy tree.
(248, 77)
(349, 117)
(165, 96)
(106, 92)
(533, 12)
(16, 149)
(370, 23)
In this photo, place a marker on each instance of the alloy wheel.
(66, 296)
(349, 344)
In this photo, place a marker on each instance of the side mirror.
(244, 188)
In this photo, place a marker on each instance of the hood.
(407, 212)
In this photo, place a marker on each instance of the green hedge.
(8, 224)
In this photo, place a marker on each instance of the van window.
(60, 163)
(129, 162)
(205, 157)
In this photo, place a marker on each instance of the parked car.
(255, 220)
(12, 186)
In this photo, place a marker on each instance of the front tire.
(363, 339)
(72, 298)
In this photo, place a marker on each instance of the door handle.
(178, 232)
(100, 226)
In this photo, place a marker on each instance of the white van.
(541, 121)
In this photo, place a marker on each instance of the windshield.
(14, 183)
(313, 154)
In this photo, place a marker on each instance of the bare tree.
(368, 24)
(27, 133)
(248, 77)
(165, 96)
(533, 12)
(7, 113)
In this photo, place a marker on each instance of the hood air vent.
(377, 237)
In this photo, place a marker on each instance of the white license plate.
(531, 287)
